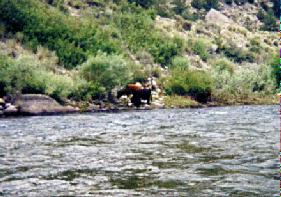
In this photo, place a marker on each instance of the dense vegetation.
(98, 48)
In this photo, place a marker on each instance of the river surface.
(224, 151)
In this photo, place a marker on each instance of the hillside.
(83, 51)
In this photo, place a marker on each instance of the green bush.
(243, 82)
(164, 49)
(211, 4)
(276, 8)
(140, 73)
(238, 55)
(179, 62)
(240, 2)
(268, 18)
(26, 75)
(206, 4)
(20, 76)
(199, 47)
(255, 45)
(261, 14)
(72, 39)
(143, 3)
(223, 65)
(107, 71)
(276, 70)
(270, 22)
(229, 2)
(196, 84)
(138, 31)
(198, 4)
(180, 7)
(86, 91)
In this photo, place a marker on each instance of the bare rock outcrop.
(217, 18)
(38, 104)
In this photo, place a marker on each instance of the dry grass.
(180, 102)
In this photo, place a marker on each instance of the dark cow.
(138, 93)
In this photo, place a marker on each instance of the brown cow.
(138, 93)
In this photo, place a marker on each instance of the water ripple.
(225, 151)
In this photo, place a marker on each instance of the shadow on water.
(70, 175)
(138, 182)
(78, 141)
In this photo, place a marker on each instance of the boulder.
(38, 104)
(217, 18)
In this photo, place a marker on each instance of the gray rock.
(37, 104)
(217, 18)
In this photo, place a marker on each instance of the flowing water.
(224, 151)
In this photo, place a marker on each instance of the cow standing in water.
(139, 93)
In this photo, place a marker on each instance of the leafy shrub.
(211, 4)
(276, 70)
(140, 73)
(237, 54)
(229, 2)
(180, 7)
(86, 91)
(240, 2)
(138, 31)
(179, 62)
(206, 4)
(198, 4)
(143, 3)
(269, 19)
(223, 65)
(199, 47)
(107, 71)
(2, 30)
(270, 22)
(26, 75)
(261, 14)
(144, 57)
(73, 40)
(196, 84)
(58, 87)
(20, 76)
(242, 83)
(255, 45)
(276, 8)
(164, 49)
(163, 9)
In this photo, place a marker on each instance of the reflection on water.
(227, 151)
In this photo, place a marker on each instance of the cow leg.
(136, 101)
(149, 99)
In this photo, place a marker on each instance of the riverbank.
(40, 105)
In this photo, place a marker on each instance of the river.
(223, 151)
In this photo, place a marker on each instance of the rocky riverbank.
(34, 104)
(38, 104)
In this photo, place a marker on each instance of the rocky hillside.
(83, 51)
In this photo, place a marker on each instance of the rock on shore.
(35, 104)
